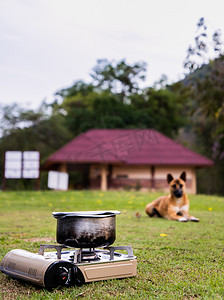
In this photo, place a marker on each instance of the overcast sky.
(46, 45)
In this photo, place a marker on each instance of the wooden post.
(153, 177)
(4, 179)
(103, 184)
(63, 168)
(193, 182)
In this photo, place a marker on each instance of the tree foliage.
(208, 94)
(25, 130)
(205, 46)
(159, 109)
(118, 77)
(115, 100)
(203, 88)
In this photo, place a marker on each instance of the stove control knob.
(60, 273)
(61, 276)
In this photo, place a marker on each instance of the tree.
(13, 117)
(160, 109)
(79, 87)
(209, 96)
(96, 110)
(204, 47)
(119, 78)
(26, 130)
(203, 89)
(101, 104)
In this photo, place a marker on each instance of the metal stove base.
(52, 269)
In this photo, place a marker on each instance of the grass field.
(175, 260)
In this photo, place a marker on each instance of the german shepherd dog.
(175, 206)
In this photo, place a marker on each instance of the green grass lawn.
(186, 262)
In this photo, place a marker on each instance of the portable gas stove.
(70, 266)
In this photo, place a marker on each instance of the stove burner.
(89, 255)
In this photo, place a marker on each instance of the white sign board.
(13, 174)
(29, 174)
(31, 163)
(31, 155)
(13, 164)
(13, 155)
(20, 164)
(57, 180)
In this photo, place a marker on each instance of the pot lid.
(87, 214)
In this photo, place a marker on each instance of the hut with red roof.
(127, 158)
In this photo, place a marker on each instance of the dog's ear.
(169, 178)
(183, 176)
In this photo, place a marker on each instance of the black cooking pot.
(86, 229)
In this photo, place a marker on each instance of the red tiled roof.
(128, 146)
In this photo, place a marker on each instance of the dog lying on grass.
(175, 206)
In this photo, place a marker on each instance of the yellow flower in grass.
(99, 201)
(163, 234)
(210, 208)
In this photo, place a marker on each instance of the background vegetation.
(190, 111)
(175, 260)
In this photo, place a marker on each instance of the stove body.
(69, 267)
